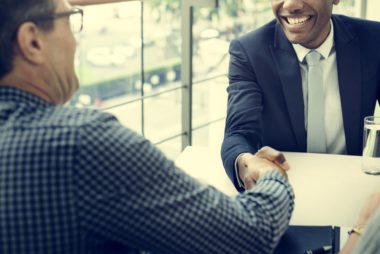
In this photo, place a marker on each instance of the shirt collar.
(8, 93)
(325, 49)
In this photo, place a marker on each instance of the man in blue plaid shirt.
(76, 181)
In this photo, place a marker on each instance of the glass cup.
(371, 145)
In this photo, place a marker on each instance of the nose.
(293, 5)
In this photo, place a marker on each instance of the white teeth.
(296, 21)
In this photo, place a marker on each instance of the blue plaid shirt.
(76, 181)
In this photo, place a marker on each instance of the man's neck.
(30, 85)
(324, 49)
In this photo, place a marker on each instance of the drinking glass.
(371, 145)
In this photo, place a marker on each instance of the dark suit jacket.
(265, 100)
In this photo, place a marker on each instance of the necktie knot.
(313, 58)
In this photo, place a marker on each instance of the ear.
(30, 43)
(336, 2)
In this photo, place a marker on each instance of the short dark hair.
(12, 14)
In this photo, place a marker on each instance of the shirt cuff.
(275, 175)
(239, 181)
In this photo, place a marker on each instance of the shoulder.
(96, 133)
(352, 21)
(263, 35)
(91, 122)
(101, 130)
(72, 117)
(81, 124)
(359, 27)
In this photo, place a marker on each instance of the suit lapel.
(348, 64)
(288, 69)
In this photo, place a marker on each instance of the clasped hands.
(253, 166)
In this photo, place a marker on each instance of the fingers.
(250, 179)
(249, 183)
(273, 155)
(285, 165)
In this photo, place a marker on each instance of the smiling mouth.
(297, 20)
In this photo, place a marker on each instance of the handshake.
(250, 167)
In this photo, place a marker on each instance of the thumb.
(275, 156)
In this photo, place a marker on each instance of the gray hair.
(12, 14)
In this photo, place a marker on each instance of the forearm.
(252, 222)
(192, 218)
(369, 241)
(350, 244)
(272, 202)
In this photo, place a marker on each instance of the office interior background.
(135, 60)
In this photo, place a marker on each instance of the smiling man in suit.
(272, 99)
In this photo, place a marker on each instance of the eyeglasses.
(75, 17)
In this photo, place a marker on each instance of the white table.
(329, 189)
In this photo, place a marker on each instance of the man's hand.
(252, 167)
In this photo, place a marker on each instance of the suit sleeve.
(243, 122)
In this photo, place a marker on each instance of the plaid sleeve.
(129, 193)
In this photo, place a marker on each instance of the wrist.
(242, 163)
(244, 157)
(357, 230)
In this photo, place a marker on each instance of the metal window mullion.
(142, 71)
(363, 13)
(187, 64)
(361, 8)
(186, 73)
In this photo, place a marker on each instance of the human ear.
(30, 42)
(336, 2)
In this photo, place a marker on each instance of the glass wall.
(129, 63)
(372, 10)
(108, 61)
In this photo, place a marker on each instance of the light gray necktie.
(316, 136)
